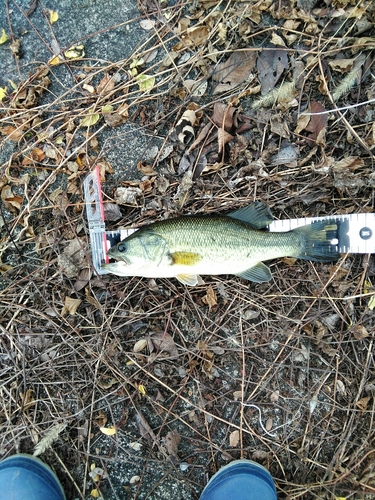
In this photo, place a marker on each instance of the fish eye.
(121, 247)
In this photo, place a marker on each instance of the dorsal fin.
(256, 214)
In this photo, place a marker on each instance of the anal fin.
(259, 273)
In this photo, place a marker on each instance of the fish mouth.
(115, 267)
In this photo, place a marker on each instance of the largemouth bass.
(193, 245)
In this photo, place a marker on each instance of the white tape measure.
(356, 232)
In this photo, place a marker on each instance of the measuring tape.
(356, 232)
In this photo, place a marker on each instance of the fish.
(192, 245)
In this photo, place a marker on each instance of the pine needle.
(48, 439)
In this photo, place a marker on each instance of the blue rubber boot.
(240, 480)
(26, 477)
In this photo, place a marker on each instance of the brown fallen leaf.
(363, 403)
(106, 84)
(350, 163)
(171, 442)
(70, 306)
(235, 70)
(317, 125)
(13, 133)
(83, 278)
(271, 64)
(359, 332)
(12, 202)
(192, 37)
(27, 399)
(73, 258)
(208, 358)
(234, 438)
(225, 116)
(127, 195)
(112, 212)
(210, 298)
(163, 342)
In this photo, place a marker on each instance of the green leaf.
(145, 82)
(3, 37)
(371, 303)
(90, 119)
(3, 92)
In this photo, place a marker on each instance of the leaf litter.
(243, 110)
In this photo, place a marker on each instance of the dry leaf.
(275, 396)
(340, 386)
(237, 395)
(83, 278)
(112, 212)
(235, 70)
(140, 345)
(73, 258)
(363, 403)
(271, 65)
(53, 16)
(279, 126)
(101, 419)
(210, 298)
(127, 195)
(146, 169)
(108, 431)
(106, 84)
(342, 65)
(208, 358)
(27, 399)
(13, 133)
(164, 342)
(317, 125)
(134, 445)
(234, 438)
(70, 306)
(269, 424)
(12, 202)
(359, 332)
(192, 37)
(225, 116)
(350, 163)
(147, 24)
(171, 442)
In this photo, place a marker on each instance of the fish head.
(138, 255)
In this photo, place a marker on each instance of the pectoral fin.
(188, 279)
(259, 273)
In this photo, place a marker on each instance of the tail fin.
(319, 241)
